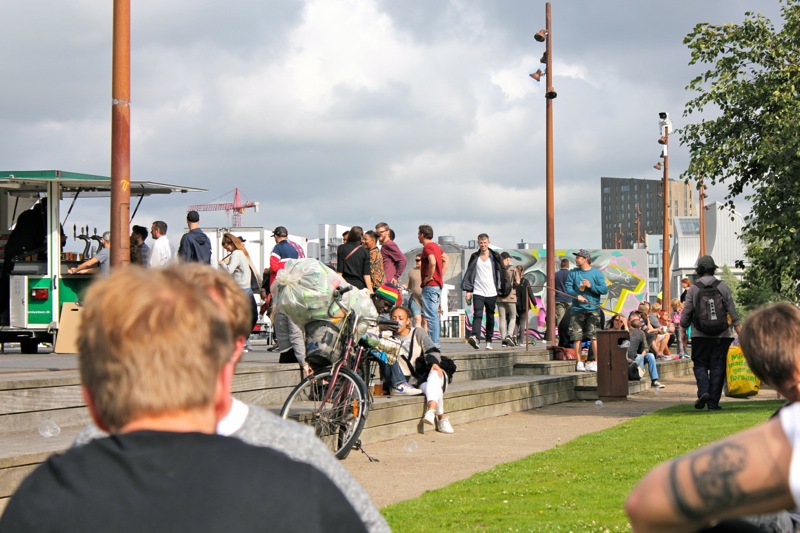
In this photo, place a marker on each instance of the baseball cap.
(582, 253)
(706, 262)
(390, 293)
(193, 216)
(280, 231)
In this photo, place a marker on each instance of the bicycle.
(335, 401)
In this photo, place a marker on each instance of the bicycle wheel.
(339, 420)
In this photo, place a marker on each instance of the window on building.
(653, 272)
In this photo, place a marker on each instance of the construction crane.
(237, 207)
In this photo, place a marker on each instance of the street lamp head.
(658, 166)
(540, 35)
(537, 75)
(544, 57)
(550, 94)
(663, 115)
(662, 139)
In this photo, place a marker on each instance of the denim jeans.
(650, 359)
(431, 303)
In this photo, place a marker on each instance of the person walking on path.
(394, 261)
(709, 302)
(586, 285)
(482, 282)
(507, 305)
(195, 246)
(434, 264)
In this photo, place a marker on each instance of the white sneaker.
(443, 426)
(430, 417)
(489, 346)
(591, 366)
(404, 389)
(580, 367)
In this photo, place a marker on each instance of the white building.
(330, 237)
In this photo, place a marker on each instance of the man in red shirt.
(434, 263)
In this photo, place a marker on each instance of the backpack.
(710, 316)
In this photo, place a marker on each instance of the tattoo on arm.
(714, 482)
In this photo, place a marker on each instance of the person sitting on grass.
(420, 363)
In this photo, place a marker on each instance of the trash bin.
(612, 363)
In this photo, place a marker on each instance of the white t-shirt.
(790, 422)
(484, 278)
(162, 252)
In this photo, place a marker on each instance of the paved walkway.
(411, 465)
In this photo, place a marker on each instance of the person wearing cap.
(140, 252)
(163, 252)
(709, 351)
(586, 285)
(481, 283)
(195, 245)
(288, 335)
(99, 263)
(507, 306)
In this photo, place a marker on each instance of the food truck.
(35, 279)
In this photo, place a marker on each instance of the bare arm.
(745, 474)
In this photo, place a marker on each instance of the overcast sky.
(357, 111)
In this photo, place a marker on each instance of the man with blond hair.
(394, 261)
(156, 370)
(255, 425)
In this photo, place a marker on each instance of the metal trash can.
(612, 363)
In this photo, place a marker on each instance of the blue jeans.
(393, 374)
(431, 302)
(650, 359)
(710, 357)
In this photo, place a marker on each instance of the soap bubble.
(410, 446)
(598, 404)
(48, 428)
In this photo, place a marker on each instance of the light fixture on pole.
(545, 35)
(665, 124)
(703, 208)
(658, 166)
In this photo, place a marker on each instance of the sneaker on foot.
(657, 384)
(473, 341)
(430, 417)
(505, 342)
(404, 389)
(489, 346)
(443, 426)
(591, 366)
(580, 367)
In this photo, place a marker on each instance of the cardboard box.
(68, 328)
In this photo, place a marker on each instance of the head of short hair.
(483, 237)
(230, 238)
(106, 236)
(656, 307)
(145, 353)
(402, 308)
(564, 262)
(141, 231)
(372, 235)
(193, 217)
(770, 341)
(355, 234)
(161, 226)
(635, 322)
(381, 225)
(222, 287)
(675, 303)
(426, 231)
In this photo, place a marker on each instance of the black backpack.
(505, 283)
(710, 316)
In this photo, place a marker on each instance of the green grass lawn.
(579, 486)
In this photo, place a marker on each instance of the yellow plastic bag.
(741, 382)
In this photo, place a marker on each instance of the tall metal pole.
(121, 134)
(666, 268)
(550, 334)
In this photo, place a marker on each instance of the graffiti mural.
(625, 272)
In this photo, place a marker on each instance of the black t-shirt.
(160, 481)
(353, 265)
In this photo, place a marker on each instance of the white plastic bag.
(303, 290)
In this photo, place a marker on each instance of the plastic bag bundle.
(321, 336)
(303, 290)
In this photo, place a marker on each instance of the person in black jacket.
(482, 282)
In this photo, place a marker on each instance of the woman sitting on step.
(419, 361)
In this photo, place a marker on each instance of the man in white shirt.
(481, 283)
(162, 251)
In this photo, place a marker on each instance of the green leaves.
(748, 137)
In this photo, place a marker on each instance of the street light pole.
(121, 135)
(703, 197)
(666, 126)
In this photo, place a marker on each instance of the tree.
(753, 142)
